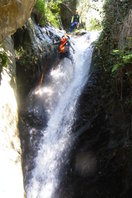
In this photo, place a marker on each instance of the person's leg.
(72, 27)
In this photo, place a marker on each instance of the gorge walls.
(14, 14)
(11, 180)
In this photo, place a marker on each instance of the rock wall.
(11, 177)
(13, 15)
(35, 55)
(100, 165)
(126, 31)
(67, 9)
(34, 51)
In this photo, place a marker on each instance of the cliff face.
(11, 177)
(13, 14)
(34, 50)
(107, 103)
(126, 31)
(22, 61)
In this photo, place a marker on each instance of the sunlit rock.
(11, 179)
(13, 15)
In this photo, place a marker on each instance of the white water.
(60, 96)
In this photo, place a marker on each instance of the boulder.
(13, 15)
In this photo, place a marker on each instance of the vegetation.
(115, 60)
(52, 13)
(40, 5)
(48, 12)
(123, 58)
(95, 24)
(3, 59)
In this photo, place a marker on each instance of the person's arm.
(71, 46)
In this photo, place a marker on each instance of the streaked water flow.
(60, 95)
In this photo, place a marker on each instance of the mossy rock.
(3, 59)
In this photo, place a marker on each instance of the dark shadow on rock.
(100, 161)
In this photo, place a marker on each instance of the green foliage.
(40, 6)
(95, 24)
(52, 13)
(49, 12)
(116, 67)
(54, 6)
(111, 57)
(127, 59)
(114, 14)
(3, 59)
(122, 58)
(118, 59)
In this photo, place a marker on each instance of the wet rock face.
(33, 56)
(13, 14)
(100, 162)
(33, 119)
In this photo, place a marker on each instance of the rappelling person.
(64, 51)
(64, 47)
(74, 21)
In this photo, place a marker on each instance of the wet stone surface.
(100, 161)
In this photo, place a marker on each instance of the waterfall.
(59, 95)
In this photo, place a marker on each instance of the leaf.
(127, 58)
(116, 67)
